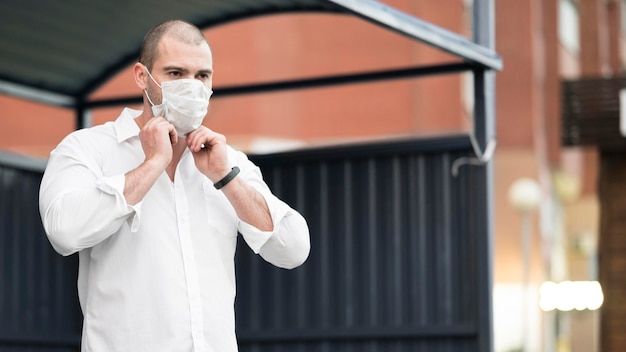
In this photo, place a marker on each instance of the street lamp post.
(525, 197)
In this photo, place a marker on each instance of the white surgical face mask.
(184, 103)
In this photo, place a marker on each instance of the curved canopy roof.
(58, 52)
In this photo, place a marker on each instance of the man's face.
(178, 60)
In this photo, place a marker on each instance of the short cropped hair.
(178, 29)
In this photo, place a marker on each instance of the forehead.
(173, 52)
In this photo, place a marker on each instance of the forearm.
(286, 244)
(249, 204)
(268, 225)
(139, 181)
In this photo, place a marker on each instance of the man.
(153, 202)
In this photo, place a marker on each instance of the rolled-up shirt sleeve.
(288, 244)
(79, 206)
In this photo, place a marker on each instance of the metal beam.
(83, 117)
(423, 31)
(485, 133)
(22, 162)
(36, 94)
(362, 77)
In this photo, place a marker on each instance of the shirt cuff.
(114, 185)
(256, 238)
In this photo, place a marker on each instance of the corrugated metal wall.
(39, 308)
(393, 264)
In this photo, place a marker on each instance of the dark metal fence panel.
(38, 300)
(393, 264)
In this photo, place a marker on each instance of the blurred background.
(557, 176)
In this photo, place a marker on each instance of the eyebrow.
(184, 70)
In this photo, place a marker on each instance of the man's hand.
(157, 137)
(209, 153)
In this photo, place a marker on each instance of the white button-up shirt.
(159, 275)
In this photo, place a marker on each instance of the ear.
(140, 75)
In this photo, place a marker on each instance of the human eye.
(202, 76)
(174, 74)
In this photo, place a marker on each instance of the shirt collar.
(125, 125)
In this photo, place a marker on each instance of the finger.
(190, 139)
(198, 141)
(172, 134)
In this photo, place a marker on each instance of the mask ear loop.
(155, 82)
(152, 78)
(148, 96)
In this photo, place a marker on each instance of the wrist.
(227, 178)
(155, 164)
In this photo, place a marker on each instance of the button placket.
(191, 275)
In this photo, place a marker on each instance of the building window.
(569, 25)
